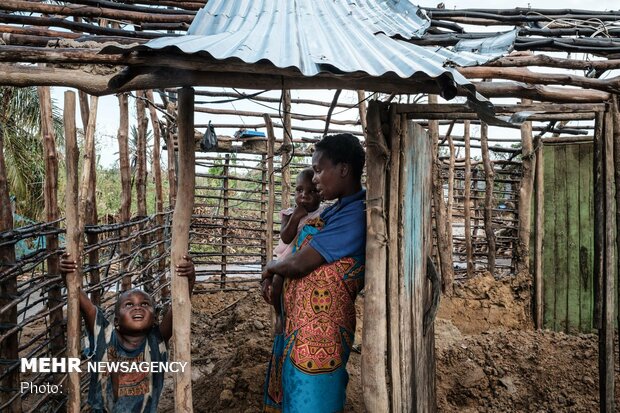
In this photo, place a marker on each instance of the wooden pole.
(99, 84)
(172, 167)
(8, 290)
(616, 140)
(125, 211)
(539, 235)
(75, 234)
(141, 182)
(271, 138)
(159, 196)
(91, 208)
(56, 318)
(489, 176)
(441, 223)
(606, 335)
(450, 202)
(361, 98)
(408, 398)
(181, 219)
(393, 258)
(599, 221)
(263, 211)
(525, 196)
(374, 383)
(287, 142)
(141, 155)
(89, 159)
(224, 231)
(466, 203)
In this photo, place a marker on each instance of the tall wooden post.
(599, 219)
(75, 234)
(224, 232)
(159, 196)
(141, 155)
(141, 176)
(287, 142)
(450, 202)
(606, 334)
(441, 224)
(264, 200)
(8, 290)
(91, 207)
(125, 211)
(361, 99)
(271, 138)
(525, 196)
(393, 284)
(540, 234)
(616, 126)
(57, 341)
(467, 200)
(181, 219)
(172, 159)
(374, 379)
(489, 176)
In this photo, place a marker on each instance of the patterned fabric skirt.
(307, 371)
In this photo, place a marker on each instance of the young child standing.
(132, 336)
(307, 206)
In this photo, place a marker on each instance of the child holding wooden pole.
(133, 336)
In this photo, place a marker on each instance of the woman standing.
(307, 372)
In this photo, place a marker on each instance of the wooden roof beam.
(524, 59)
(524, 75)
(94, 12)
(98, 85)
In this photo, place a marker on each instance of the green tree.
(20, 119)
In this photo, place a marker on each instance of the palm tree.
(20, 119)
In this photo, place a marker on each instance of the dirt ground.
(489, 358)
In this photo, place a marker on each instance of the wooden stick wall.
(231, 232)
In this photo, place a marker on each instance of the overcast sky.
(541, 4)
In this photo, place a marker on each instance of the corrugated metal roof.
(392, 17)
(314, 36)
